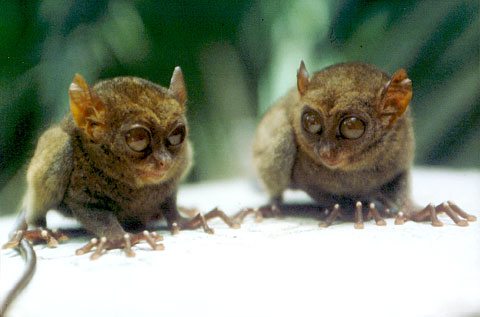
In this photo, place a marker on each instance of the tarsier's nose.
(163, 160)
(328, 156)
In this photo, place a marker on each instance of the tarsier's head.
(344, 110)
(135, 128)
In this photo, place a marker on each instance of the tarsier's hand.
(430, 213)
(124, 242)
(51, 237)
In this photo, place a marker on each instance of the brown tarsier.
(114, 164)
(344, 136)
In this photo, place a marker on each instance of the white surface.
(280, 267)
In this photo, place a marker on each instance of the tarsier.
(344, 136)
(114, 164)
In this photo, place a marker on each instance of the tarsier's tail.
(27, 252)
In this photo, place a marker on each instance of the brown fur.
(374, 167)
(94, 176)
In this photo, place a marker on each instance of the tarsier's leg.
(430, 213)
(47, 178)
(105, 225)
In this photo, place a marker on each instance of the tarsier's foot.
(51, 237)
(200, 220)
(267, 211)
(125, 243)
(358, 224)
(430, 213)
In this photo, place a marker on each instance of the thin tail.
(28, 254)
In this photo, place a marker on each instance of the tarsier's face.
(345, 109)
(137, 129)
(336, 133)
(152, 153)
(148, 130)
(149, 150)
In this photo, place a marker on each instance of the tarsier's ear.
(302, 79)
(393, 99)
(177, 86)
(87, 108)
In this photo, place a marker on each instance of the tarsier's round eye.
(352, 128)
(311, 122)
(138, 139)
(177, 136)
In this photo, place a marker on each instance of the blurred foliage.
(238, 56)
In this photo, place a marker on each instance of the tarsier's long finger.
(151, 238)
(372, 210)
(49, 238)
(14, 240)
(197, 222)
(358, 216)
(433, 216)
(86, 248)
(425, 213)
(461, 213)
(152, 241)
(240, 216)
(449, 211)
(102, 245)
(428, 212)
(128, 246)
(331, 217)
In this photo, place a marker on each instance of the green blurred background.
(238, 57)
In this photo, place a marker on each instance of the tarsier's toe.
(358, 216)
(400, 218)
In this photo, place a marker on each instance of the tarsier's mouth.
(332, 162)
(154, 174)
(330, 159)
(151, 176)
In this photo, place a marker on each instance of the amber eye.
(138, 139)
(311, 122)
(352, 128)
(177, 136)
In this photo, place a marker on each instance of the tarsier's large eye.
(177, 136)
(312, 122)
(138, 139)
(352, 128)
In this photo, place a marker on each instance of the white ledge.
(280, 267)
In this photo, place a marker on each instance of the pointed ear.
(393, 99)
(302, 79)
(177, 86)
(87, 108)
